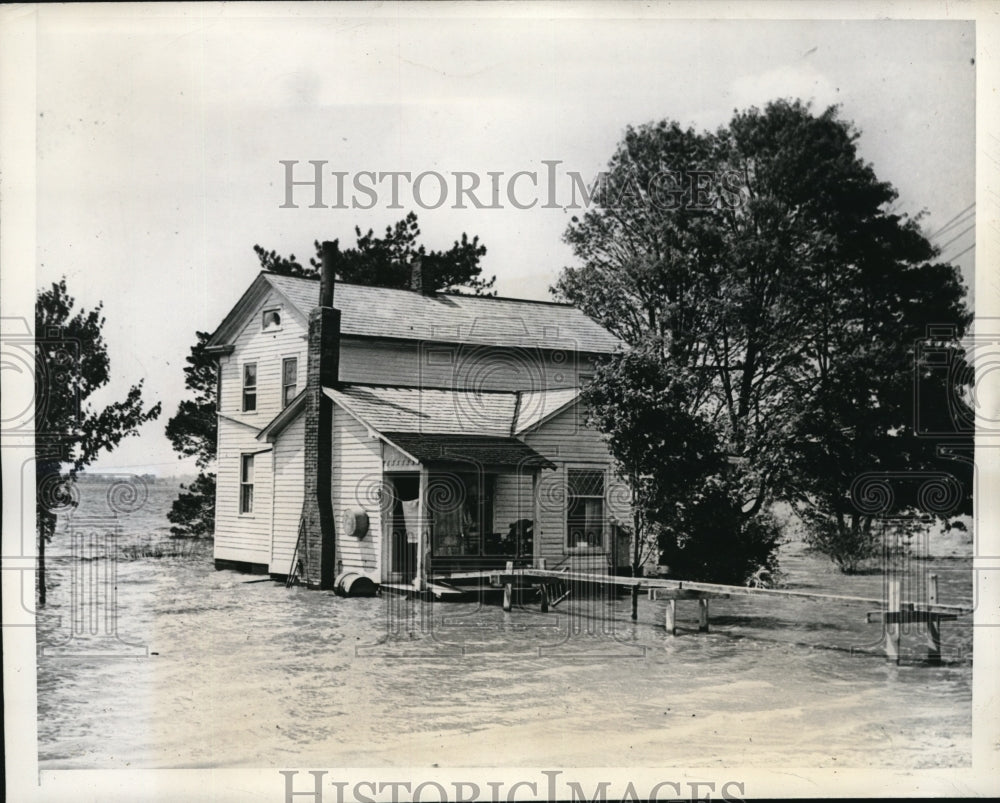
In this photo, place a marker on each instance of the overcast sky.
(159, 141)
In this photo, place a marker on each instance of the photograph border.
(18, 240)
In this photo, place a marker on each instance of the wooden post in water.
(703, 615)
(933, 623)
(508, 588)
(893, 631)
(671, 616)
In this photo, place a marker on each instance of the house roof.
(444, 317)
(479, 450)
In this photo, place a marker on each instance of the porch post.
(536, 541)
(508, 587)
(419, 580)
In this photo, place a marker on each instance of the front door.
(401, 524)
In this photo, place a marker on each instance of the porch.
(457, 503)
(450, 484)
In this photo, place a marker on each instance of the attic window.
(271, 320)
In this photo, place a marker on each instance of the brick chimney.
(322, 369)
(417, 274)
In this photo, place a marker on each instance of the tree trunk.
(45, 519)
(636, 558)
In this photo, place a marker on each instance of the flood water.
(218, 669)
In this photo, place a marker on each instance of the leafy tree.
(766, 261)
(71, 363)
(680, 478)
(853, 302)
(193, 431)
(860, 418)
(710, 538)
(193, 512)
(642, 246)
(386, 261)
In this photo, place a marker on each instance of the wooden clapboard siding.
(289, 482)
(565, 441)
(513, 500)
(267, 349)
(459, 367)
(565, 437)
(356, 481)
(242, 537)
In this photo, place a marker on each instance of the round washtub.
(354, 584)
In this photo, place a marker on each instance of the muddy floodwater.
(218, 669)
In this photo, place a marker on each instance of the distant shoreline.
(98, 477)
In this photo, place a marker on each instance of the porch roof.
(479, 450)
(447, 411)
(429, 411)
(436, 411)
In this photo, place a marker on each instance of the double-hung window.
(249, 387)
(584, 508)
(246, 483)
(289, 380)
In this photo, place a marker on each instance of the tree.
(193, 512)
(860, 419)
(386, 261)
(71, 363)
(710, 538)
(193, 431)
(645, 258)
(680, 477)
(767, 261)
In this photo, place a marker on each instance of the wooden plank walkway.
(436, 589)
(893, 614)
(711, 589)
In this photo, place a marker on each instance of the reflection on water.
(237, 672)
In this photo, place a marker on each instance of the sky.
(160, 139)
